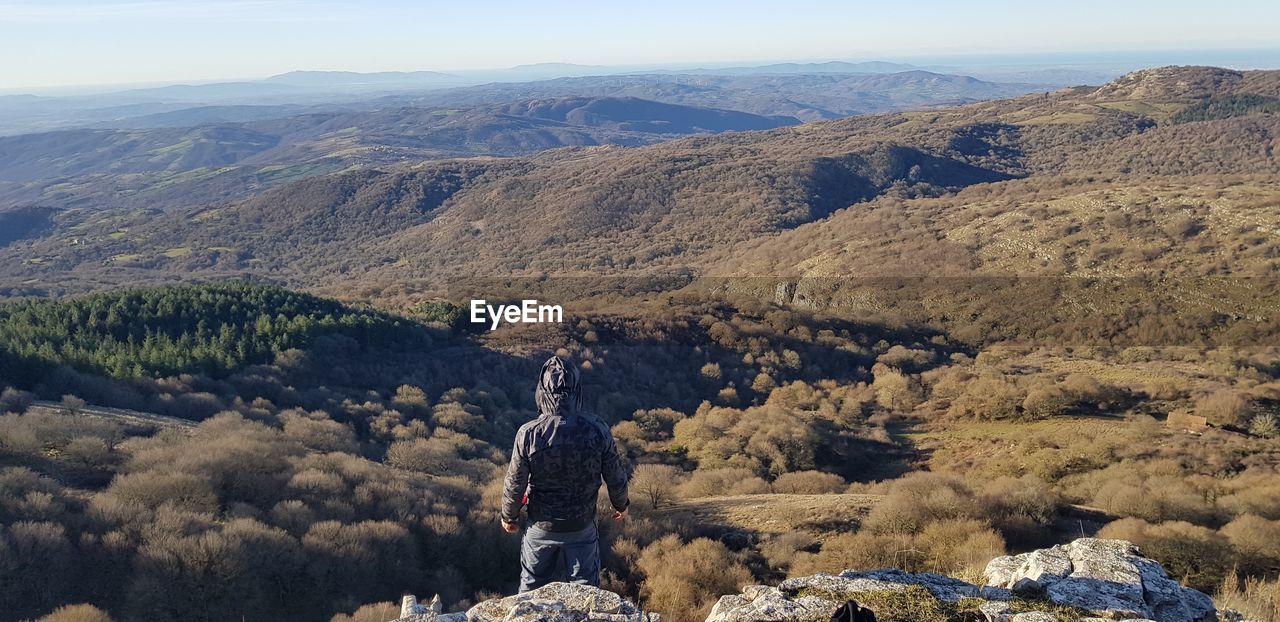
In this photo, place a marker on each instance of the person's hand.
(510, 527)
(620, 515)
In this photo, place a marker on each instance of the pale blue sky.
(63, 42)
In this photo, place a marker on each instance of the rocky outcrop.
(1089, 580)
(557, 602)
(1109, 577)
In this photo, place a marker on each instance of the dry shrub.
(1257, 543)
(76, 613)
(151, 489)
(1047, 401)
(373, 612)
(862, 551)
(989, 397)
(1155, 499)
(1254, 493)
(1224, 407)
(895, 390)
(89, 452)
(722, 482)
(626, 550)
(960, 548)
(1198, 556)
(682, 581)
(808, 483)
(902, 357)
(1257, 599)
(317, 431)
(918, 499)
(15, 401)
(654, 485)
(1265, 425)
(1021, 508)
(781, 551)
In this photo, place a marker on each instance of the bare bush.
(683, 581)
(808, 483)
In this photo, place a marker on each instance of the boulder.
(1107, 577)
(836, 587)
(560, 602)
(770, 604)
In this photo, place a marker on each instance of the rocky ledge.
(1086, 580)
(557, 602)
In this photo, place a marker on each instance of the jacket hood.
(559, 388)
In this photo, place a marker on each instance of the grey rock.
(1108, 577)
(996, 611)
(943, 588)
(760, 603)
(1004, 570)
(1106, 620)
(1034, 616)
(560, 602)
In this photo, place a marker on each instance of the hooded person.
(557, 465)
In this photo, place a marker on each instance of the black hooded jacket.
(560, 458)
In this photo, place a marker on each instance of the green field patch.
(1060, 118)
(175, 253)
(193, 175)
(125, 258)
(184, 145)
(278, 173)
(1156, 110)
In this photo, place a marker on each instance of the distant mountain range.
(821, 90)
(98, 166)
(352, 78)
(805, 96)
(805, 68)
(1087, 181)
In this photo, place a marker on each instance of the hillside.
(717, 205)
(806, 92)
(363, 137)
(361, 450)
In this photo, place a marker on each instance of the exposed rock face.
(1109, 577)
(556, 602)
(1089, 580)
(945, 589)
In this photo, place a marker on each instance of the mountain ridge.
(734, 203)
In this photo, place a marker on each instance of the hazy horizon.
(124, 43)
(1121, 60)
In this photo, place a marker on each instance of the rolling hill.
(365, 137)
(1030, 185)
(809, 93)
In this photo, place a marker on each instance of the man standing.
(557, 464)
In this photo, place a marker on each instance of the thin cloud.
(171, 10)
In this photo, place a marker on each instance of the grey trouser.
(549, 556)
